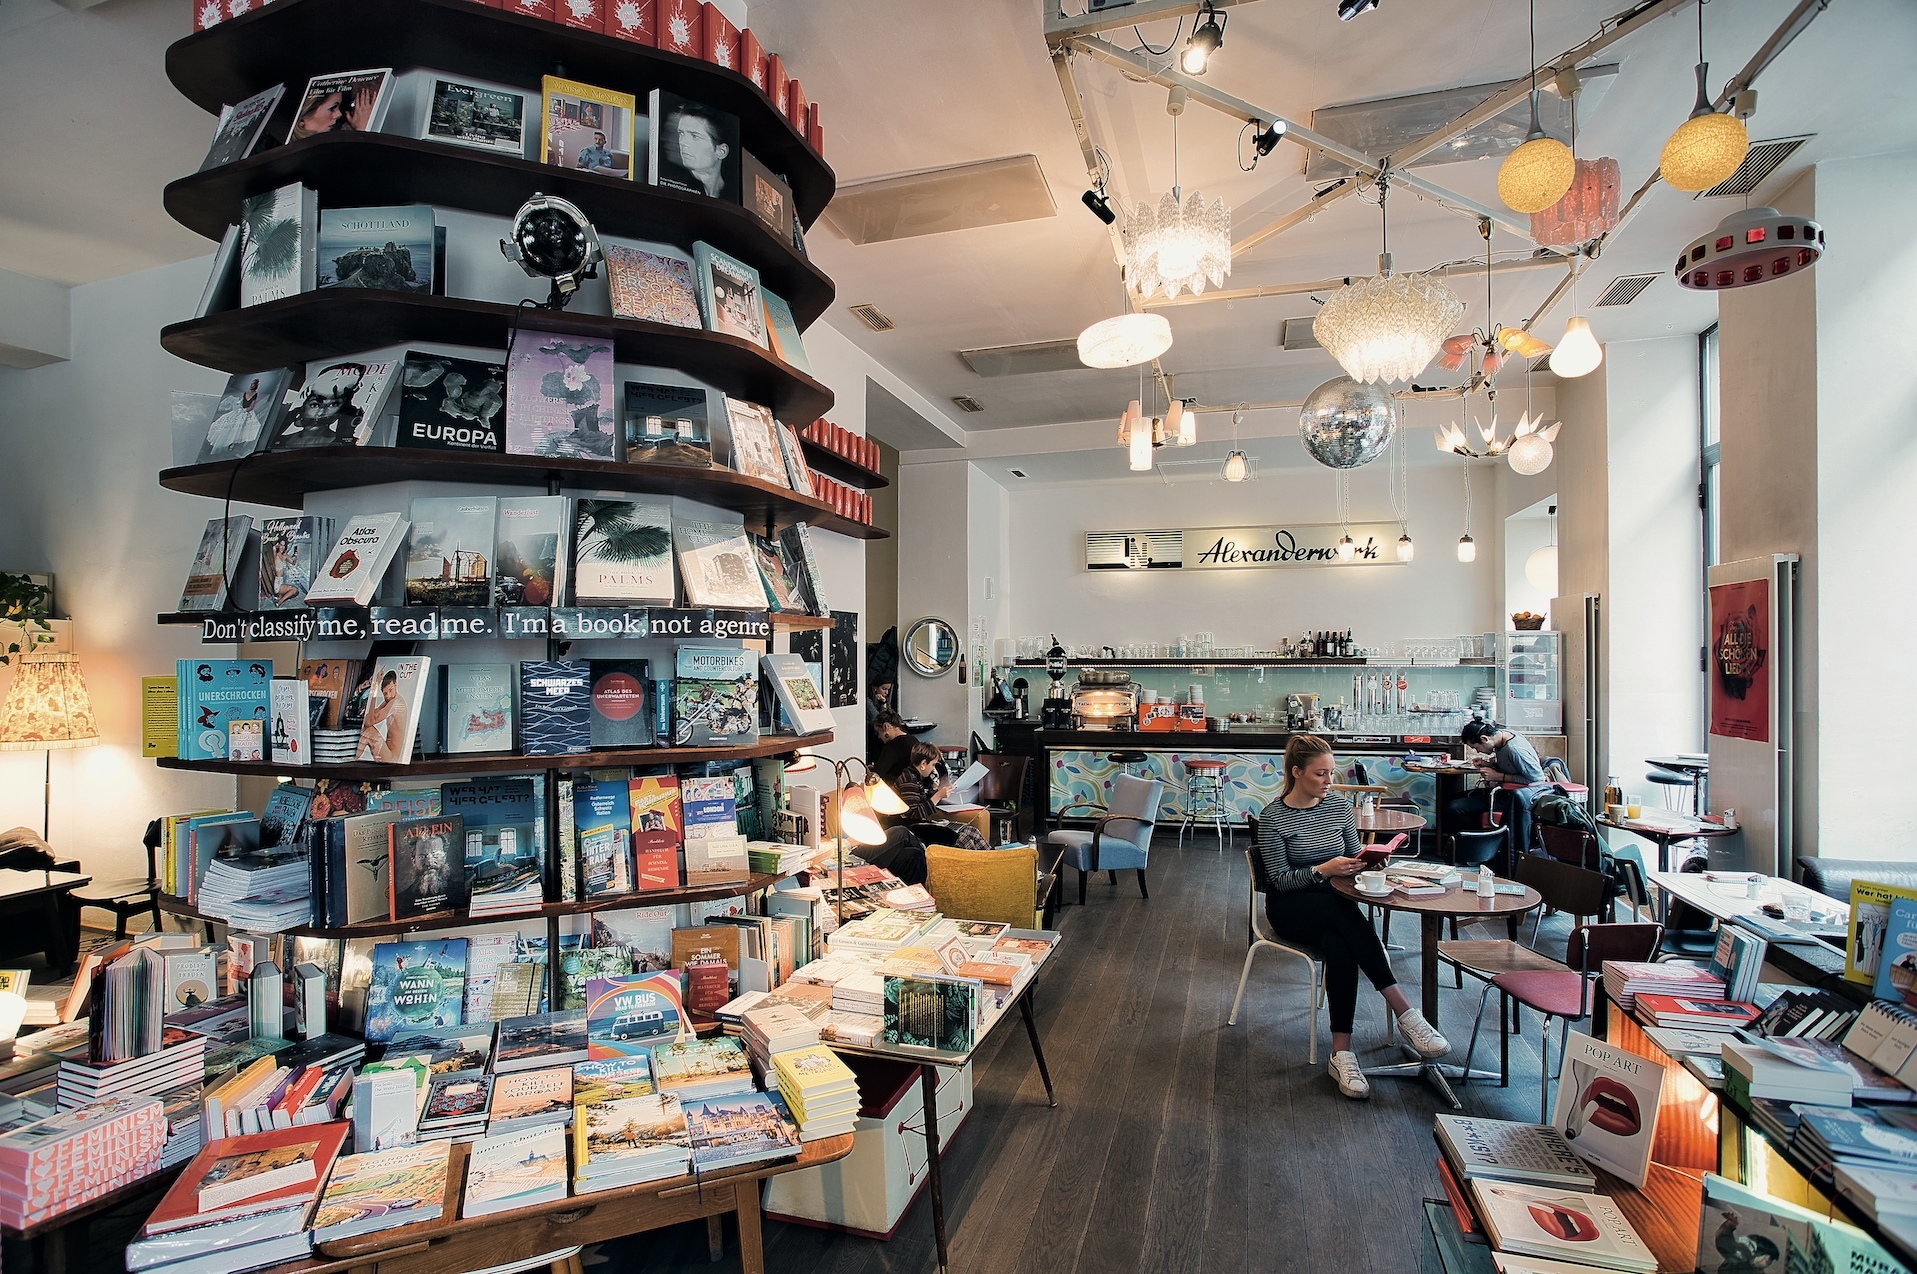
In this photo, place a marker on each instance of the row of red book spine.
(848, 503)
(690, 28)
(844, 443)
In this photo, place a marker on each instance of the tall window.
(1708, 425)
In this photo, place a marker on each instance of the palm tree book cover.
(622, 552)
(279, 248)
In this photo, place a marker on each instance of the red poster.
(1740, 660)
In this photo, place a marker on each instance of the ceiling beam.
(1332, 285)
(1059, 29)
(1087, 148)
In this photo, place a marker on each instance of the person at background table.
(894, 745)
(1505, 756)
(1306, 837)
(922, 793)
(878, 702)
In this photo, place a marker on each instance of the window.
(1708, 431)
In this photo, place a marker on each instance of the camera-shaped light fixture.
(551, 239)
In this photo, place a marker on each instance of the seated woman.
(921, 794)
(1306, 837)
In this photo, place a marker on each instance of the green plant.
(26, 604)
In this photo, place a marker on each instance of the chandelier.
(1528, 447)
(1180, 245)
(1389, 327)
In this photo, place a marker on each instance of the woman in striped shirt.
(1306, 837)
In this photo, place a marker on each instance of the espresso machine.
(1302, 713)
(1056, 713)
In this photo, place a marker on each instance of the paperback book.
(693, 148)
(799, 696)
(343, 403)
(351, 573)
(449, 550)
(290, 548)
(225, 548)
(386, 249)
(528, 567)
(755, 443)
(651, 287)
(718, 566)
(428, 871)
(451, 404)
(602, 817)
(289, 733)
(395, 696)
(414, 985)
(213, 692)
(586, 128)
(279, 251)
(657, 820)
(559, 396)
(251, 407)
(728, 295)
(240, 127)
(344, 102)
(477, 700)
(667, 424)
(715, 697)
(622, 552)
(555, 707)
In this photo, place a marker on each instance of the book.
(1548, 1222)
(620, 715)
(385, 249)
(415, 984)
(428, 871)
(691, 1069)
(718, 566)
(782, 589)
(1870, 903)
(1505, 1150)
(251, 407)
(767, 196)
(257, 1172)
(799, 696)
(555, 707)
(212, 692)
(622, 552)
(240, 127)
(681, 27)
(782, 332)
(728, 295)
(755, 443)
(343, 403)
(736, 1130)
(344, 102)
(602, 817)
(626, 1014)
(514, 1170)
(1742, 1229)
(540, 1040)
(376, 1191)
(488, 117)
(504, 842)
(278, 244)
(364, 857)
(658, 823)
(692, 147)
(1896, 977)
(586, 128)
(527, 1097)
(223, 551)
(449, 550)
(528, 567)
(1738, 958)
(797, 540)
(290, 737)
(221, 293)
(351, 573)
(1673, 1010)
(451, 404)
(559, 395)
(1607, 1105)
(667, 424)
(715, 697)
(394, 700)
(650, 286)
(930, 1012)
(290, 549)
(476, 701)
(627, 1140)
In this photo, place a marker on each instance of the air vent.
(961, 197)
(1024, 360)
(965, 402)
(1759, 162)
(1624, 289)
(1297, 334)
(872, 318)
(1018, 473)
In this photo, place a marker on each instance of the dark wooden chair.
(1573, 845)
(1001, 790)
(128, 897)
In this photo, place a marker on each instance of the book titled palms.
(620, 718)
(651, 287)
(930, 1012)
(415, 984)
(626, 1014)
(251, 409)
(395, 696)
(799, 696)
(755, 442)
(555, 707)
(449, 550)
(451, 404)
(667, 424)
(384, 249)
(428, 872)
(728, 295)
(279, 251)
(515, 1170)
(353, 568)
(718, 566)
(715, 697)
(290, 548)
(602, 815)
(622, 552)
(559, 396)
(343, 403)
(528, 567)
(477, 700)
(224, 546)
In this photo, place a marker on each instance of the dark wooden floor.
(1179, 1143)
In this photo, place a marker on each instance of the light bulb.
(1346, 549)
(1205, 40)
(1529, 454)
(1140, 441)
(1181, 424)
(1578, 353)
(1406, 549)
(1237, 467)
(1467, 548)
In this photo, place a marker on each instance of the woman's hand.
(1339, 867)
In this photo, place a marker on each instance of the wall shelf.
(507, 623)
(289, 41)
(834, 465)
(377, 169)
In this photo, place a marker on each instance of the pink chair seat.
(1558, 992)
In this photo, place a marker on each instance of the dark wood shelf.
(505, 763)
(358, 625)
(282, 479)
(354, 169)
(1234, 661)
(428, 924)
(335, 321)
(290, 41)
(834, 465)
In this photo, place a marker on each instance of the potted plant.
(26, 605)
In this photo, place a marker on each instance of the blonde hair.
(1299, 753)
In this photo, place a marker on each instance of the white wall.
(1524, 534)
(935, 579)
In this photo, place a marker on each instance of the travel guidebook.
(451, 404)
(381, 1190)
(559, 396)
(343, 403)
(388, 249)
(357, 562)
(626, 1014)
(415, 984)
(514, 1170)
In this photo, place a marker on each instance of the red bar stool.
(1205, 798)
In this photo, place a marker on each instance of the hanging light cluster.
(1178, 246)
(1388, 327)
(1528, 448)
(1589, 208)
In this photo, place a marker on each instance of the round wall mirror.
(931, 647)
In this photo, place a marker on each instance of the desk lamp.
(46, 708)
(860, 805)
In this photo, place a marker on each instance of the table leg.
(715, 1237)
(1504, 1040)
(751, 1244)
(929, 1085)
(53, 1250)
(1430, 933)
(1038, 1053)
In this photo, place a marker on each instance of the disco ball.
(1346, 424)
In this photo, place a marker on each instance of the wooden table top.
(1489, 957)
(1384, 820)
(1444, 767)
(1457, 900)
(1675, 825)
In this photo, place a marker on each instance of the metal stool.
(1205, 798)
(1680, 789)
(1123, 759)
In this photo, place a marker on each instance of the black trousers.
(1337, 928)
(903, 854)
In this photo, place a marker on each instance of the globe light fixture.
(1541, 569)
(1345, 424)
(1529, 454)
(1578, 352)
(1125, 340)
(1538, 173)
(1707, 147)
(1237, 467)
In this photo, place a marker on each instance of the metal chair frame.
(1258, 930)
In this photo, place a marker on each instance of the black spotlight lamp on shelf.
(552, 239)
(1349, 9)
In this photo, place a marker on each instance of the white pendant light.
(1237, 467)
(1537, 174)
(1541, 568)
(1467, 548)
(1578, 352)
(1709, 146)
(1347, 549)
(1178, 245)
(1181, 424)
(1124, 340)
(1406, 549)
(1529, 455)
(1140, 439)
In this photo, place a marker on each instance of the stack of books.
(1505, 1150)
(1737, 959)
(909, 898)
(731, 1132)
(379, 1190)
(852, 1028)
(1859, 1136)
(1807, 1014)
(515, 1170)
(457, 1106)
(55, 1164)
(777, 858)
(335, 747)
(181, 1065)
(693, 1069)
(820, 1090)
(242, 1203)
(771, 1029)
(884, 930)
(1560, 1225)
(1740, 1228)
(622, 1141)
(1786, 1070)
(241, 889)
(530, 1099)
(860, 993)
(1711, 1014)
(1625, 980)
(272, 910)
(185, 1125)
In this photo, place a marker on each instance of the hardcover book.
(612, 1079)
(345, 102)
(741, 1129)
(477, 700)
(755, 443)
(783, 332)
(715, 860)
(1553, 1223)
(289, 550)
(718, 566)
(801, 699)
(343, 403)
(240, 127)
(797, 471)
(721, 44)
(692, 147)
(224, 546)
(449, 550)
(487, 117)
(257, 1172)
(626, 1014)
(545, 1039)
(252, 406)
(559, 396)
(1506, 1150)
(622, 552)
(728, 295)
(514, 1170)
(768, 197)
(213, 692)
(278, 249)
(451, 404)
(533, 1095)
(797, 540)
(620, 718)
(365, 858)
(385, 249)
(457, 1098)
(602, 815)
(329, 681)
(353, 569)
(929, 1012)
(383, 1189)
(623, 1141)
(682, 27)
(394, 700)
(528, 567)
(504, 842)
(715, 697)
(1607, 1105)
(782, 590)
(585, 128)
(428, 871)
(555, 707)
(667, 424)
(646, 285)
(657, 820)
(414, 985)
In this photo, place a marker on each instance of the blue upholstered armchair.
(1120, 839)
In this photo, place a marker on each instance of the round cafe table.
(1372, 822)
(1663, 827)
(1457, 902)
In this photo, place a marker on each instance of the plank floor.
(1179, 1143)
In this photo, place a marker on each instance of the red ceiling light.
(1588, 209)
(1753, 245)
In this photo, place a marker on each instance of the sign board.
(1213, 548)
(427, 623)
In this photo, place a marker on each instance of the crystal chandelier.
(1180, 245)
(1389, 327)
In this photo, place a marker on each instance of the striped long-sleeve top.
(1293, 841)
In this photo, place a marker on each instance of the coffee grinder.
(1056, 713)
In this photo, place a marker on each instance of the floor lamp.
(859, 807)
(47, 708)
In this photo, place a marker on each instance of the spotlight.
(1268, 139)
(551, 239)
(1206, 38)
(1101, 206)
(1349, 9)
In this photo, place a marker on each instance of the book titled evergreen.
(385, 249)
(602, 815)
(555, 707)
(715, 697)
(559, 396)
(290, 549)
(477, 700)
(619, 715)
(278, 249)
(627, 1013)
(213, 692)
(343, 403)
(667, 424)
(427, 875)
(622, 552)
(451, 404)
(415, 984)
(504, 843)
(449, 550)
(528, 567)
(718, 566)
(930, 1012)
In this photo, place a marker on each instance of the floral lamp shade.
(47, 707)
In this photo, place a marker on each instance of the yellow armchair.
(985, 884)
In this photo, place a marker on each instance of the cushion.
(1557, 992)
(1113, 854)
(984, 884)
(1832, 876)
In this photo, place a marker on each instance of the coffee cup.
(1614, 811)
(1373, 882)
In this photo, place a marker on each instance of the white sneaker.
(1350, 1076)
(1421, 1035)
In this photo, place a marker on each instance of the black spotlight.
(1205, 40)
(1101, 206)
(1267, 140)
(551, 239)
(1349, 9)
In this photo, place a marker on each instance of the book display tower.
(471, 179)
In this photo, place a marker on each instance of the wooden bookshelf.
(360, 622)
(834, 465)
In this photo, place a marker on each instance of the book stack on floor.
(820, 1090)
(55, 1164)
(243, 1202)
(1625, 980)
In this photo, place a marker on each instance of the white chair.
(1260, 932)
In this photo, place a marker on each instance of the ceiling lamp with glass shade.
(1589, 208)
(1752, 245)
(1538, 173)
(1578, 352)
(1541, 568)
(1707, 147)
(1237, 466)
(1467, 547)
(1179, 245)
(1124, 340)
(1389, 327)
